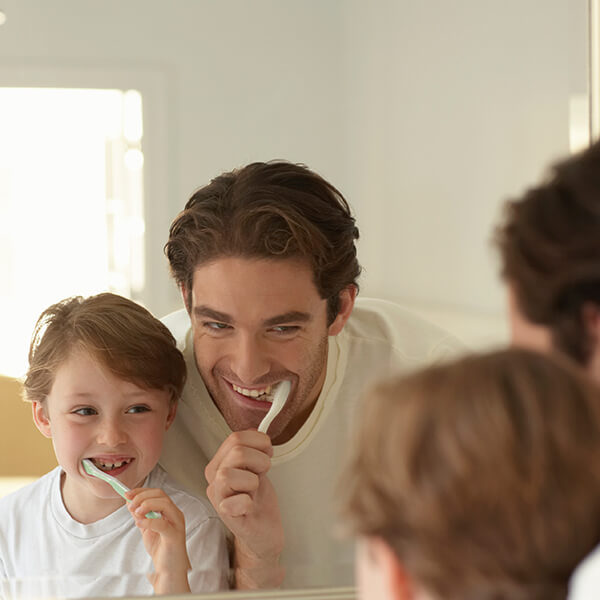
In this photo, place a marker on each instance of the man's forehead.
(268, 276)
(258, 290)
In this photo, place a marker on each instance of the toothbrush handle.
(121, 489)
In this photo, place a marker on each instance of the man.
(265, 259)
(549, 244)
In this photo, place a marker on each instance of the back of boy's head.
(481, 475)
(121, 335)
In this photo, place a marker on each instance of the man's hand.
(164, 539)
(244, 498)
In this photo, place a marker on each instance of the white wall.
(425, 114)
(454, 106)
(227, 81)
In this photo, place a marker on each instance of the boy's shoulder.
(23, 498)
(196, 510)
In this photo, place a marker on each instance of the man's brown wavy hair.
(120, 334)
(549, 243)
(481, 475)
(273, 210)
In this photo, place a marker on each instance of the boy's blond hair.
(482, 475)
(122, 335)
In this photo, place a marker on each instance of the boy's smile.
(91, 413)
(113, 465)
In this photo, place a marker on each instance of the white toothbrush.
(281, 394)
(119, 487)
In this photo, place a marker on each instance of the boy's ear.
(396, 580)
(172, 412)
(40, 418)
(347, 298)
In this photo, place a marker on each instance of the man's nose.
(249, 359)
(111, 432)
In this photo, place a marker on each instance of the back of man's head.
(273, 210)
(549, 242)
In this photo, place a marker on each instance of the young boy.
(104, 379)
(476, 479)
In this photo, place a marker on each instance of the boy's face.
(257, 322)
(90, 413)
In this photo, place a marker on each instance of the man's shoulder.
(179, 324)
(375, 320)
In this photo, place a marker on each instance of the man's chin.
(240, 419)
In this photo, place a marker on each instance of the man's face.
(523, 332)
(257, 322)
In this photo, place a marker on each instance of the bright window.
(71, 204)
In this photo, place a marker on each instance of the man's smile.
(260, 394)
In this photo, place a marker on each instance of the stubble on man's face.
(257, 323)
(297, 408)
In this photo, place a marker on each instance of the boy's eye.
(85, 411)
(138, 409)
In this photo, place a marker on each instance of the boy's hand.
(244, 498)
(164, 539)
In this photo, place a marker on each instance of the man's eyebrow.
(293, 316)
(211, 313)
(296, 316)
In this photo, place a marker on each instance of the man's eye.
(138, 409)
(215, 325)
(285, 329)
(85, 411)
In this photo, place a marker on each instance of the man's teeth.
(109, 466)
(258, 394)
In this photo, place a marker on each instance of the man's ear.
(591, 321)
(40, 418)
(347, 298)
(184, 295)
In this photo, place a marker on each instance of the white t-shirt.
(44, 552)
(585, 581)
(379, 338)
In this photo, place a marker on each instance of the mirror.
(426, 116)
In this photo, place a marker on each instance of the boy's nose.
(111, 433)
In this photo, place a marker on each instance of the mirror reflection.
(424, 116)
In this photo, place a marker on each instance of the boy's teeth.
(106, 466)
(253, 393)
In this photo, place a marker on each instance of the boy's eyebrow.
(77, 394)
(288, 317)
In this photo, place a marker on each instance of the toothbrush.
(91, 469)
(281, 394)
